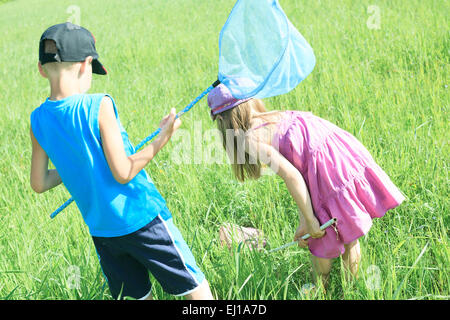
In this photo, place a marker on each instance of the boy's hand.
(169, 124)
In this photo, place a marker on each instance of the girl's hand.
(312, 228)
(301, 231)
(169, 124)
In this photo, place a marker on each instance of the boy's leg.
(160, 247)
(203, 292)
(352, 257)
(126, 276)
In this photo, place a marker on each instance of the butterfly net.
(261, 54)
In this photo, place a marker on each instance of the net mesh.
(261, 54)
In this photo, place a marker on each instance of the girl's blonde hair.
(239, 118)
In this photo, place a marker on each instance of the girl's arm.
(41, 178)
(294, 182)
(124, 168)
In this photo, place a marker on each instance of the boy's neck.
(63, 87)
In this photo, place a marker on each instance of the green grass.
(388, 87)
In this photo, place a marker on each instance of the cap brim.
(98, 68)
(221, 109)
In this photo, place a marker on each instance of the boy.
(130, 225)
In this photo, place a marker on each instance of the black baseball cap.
(73, 44)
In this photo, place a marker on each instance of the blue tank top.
(68, 131)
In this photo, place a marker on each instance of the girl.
(327, 171)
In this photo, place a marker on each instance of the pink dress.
(343, 179)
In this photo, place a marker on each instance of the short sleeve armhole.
(97, 113)
(34, 127)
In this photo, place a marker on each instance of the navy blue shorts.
(159, 248)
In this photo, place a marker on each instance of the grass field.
(384, 80)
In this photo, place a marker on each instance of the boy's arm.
(294, 181)
(41, 178)
(124, 168)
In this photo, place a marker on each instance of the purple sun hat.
(220, 99)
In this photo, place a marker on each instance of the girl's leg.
(321, 270)
(352, 257)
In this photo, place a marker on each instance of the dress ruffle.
(366, 197)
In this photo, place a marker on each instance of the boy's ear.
(41, 70)
(84, 64)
